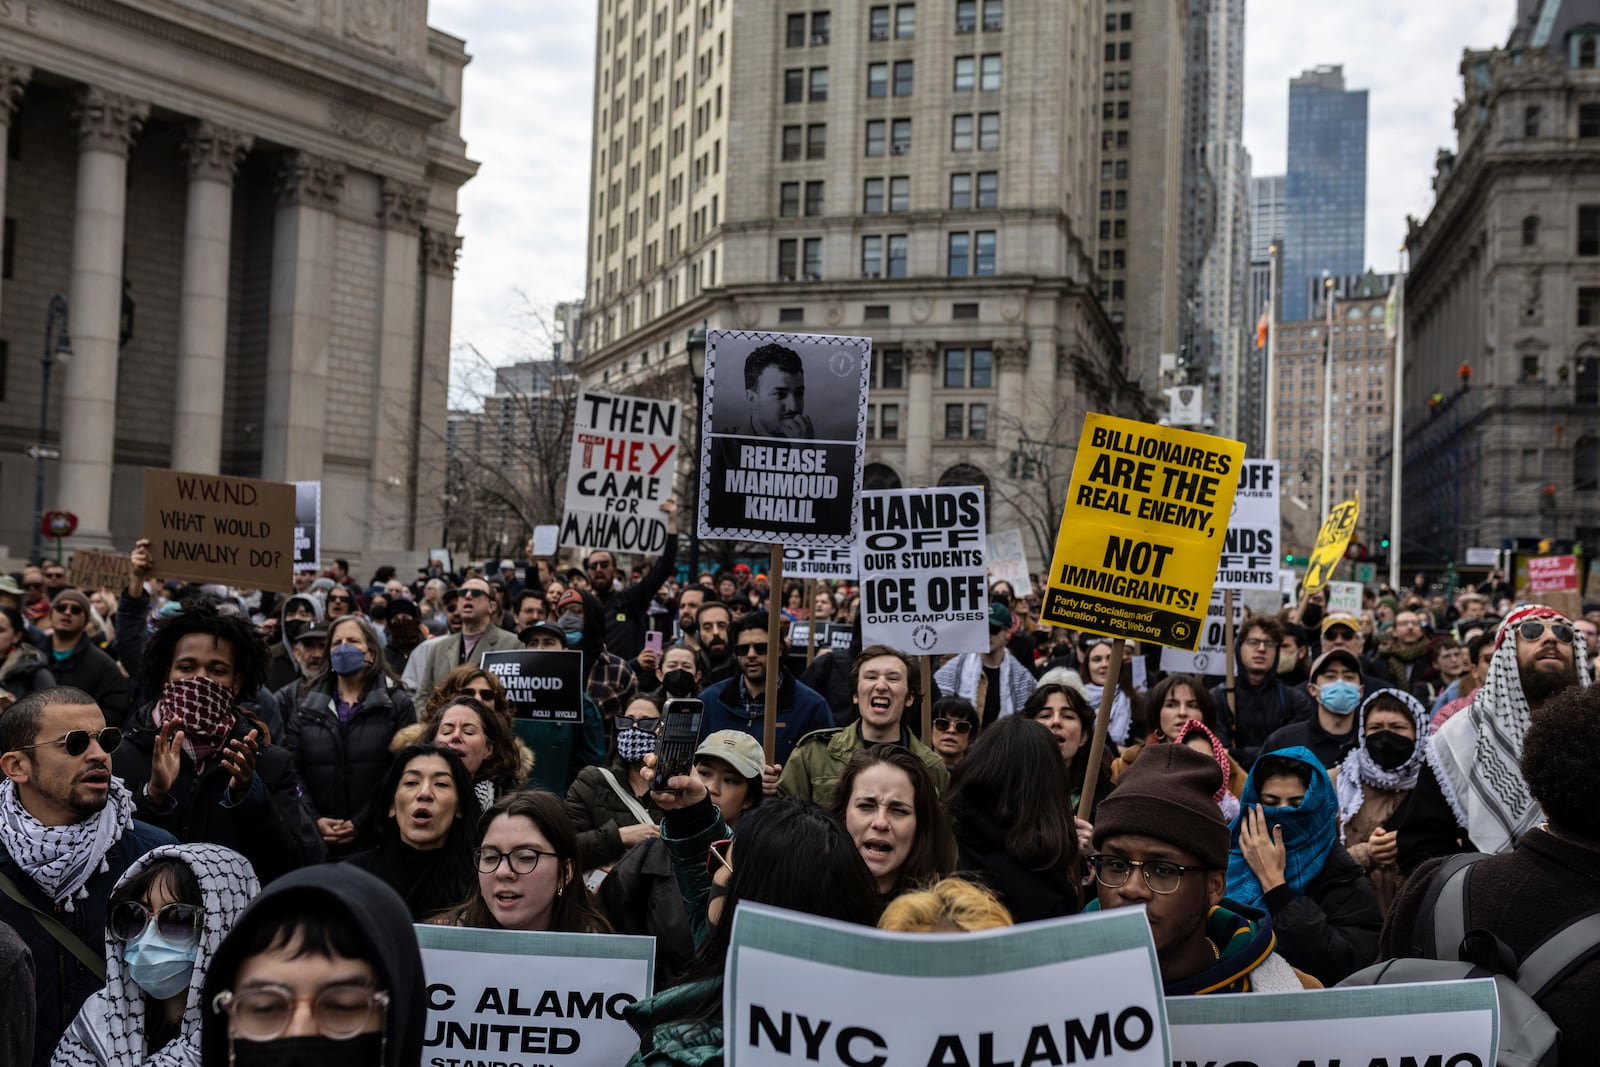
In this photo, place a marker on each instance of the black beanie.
(1167, 794)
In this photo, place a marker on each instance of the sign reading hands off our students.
(799, 991)
(624, 455)
(212, 528)
(923, 583)
(1142, 532)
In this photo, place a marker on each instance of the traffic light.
(1288, 557)
(1384, 543)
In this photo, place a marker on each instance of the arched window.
(1586, 51)
(964, 474)
(1586, 464)
(879, 476)
(1530, 230)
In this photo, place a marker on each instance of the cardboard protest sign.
(1436, 1023)
(1332, 540)
(1345, 597)
(514, 997)
(924, 587)
(1211, 654)
(837, 563)
(543, 685)
(212, 528)
(802, 990)
(1008, 562)
(545, 540)
(784, 420)
(1250, 550)
(624, 455)
(1142, 531)
(93, 570)
(307, 525)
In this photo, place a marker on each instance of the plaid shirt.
(612, 684)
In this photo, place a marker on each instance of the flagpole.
(1395, 438)
(1270, 439)
(1327, 409)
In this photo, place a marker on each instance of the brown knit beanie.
(1166, 794)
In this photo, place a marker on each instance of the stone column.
(439, 252)
(215, 153)
(14, 78)
(1011, 363)
(107, 125)
(395, 432)
(920, 359)
(298, 319)
(1039, 384)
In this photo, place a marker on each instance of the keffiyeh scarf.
(1226, 801)
(204, 708)
(62, 859)
(1358, 770)
(1475, 755)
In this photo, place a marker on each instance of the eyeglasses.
(960, 726)
(648, 724)
(755, 648)
(1162, 876)
(597, 564)
(485, 695)
(265, 1012)
(473, 594)
(994, 631)
(178, 924)
(522, 860)
(340, 600)
(76, 742)
(717, 856)
(1533, 629)
(68, 608)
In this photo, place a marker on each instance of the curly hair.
(947, 906)
(503, 765)
(455, 684)
(199, 617)
(1559, 753)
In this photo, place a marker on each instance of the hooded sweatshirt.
(346, 894)
(1258, 710)
(110, 1028)
(282, 667)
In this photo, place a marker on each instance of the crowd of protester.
(223, 810)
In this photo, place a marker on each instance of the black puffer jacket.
(641, 896)
(1330, 931)
(28, 673)
(341, 765)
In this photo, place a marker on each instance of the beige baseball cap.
(735, 748)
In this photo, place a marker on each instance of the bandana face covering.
(203, 707)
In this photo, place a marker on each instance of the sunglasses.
(598, 564)
(33, 585)
(717, 856)
(340, 600)
(76, 742)
(1534, 629)
(69, 608)
(995, 631)
(178, 924)
(755, 648)
(485, 695)
(648, 725)
(960, 726)
(473, 594)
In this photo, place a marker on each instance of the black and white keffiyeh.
(109, 1030)
(1358, 770)
(62, 859)
(1475, 754)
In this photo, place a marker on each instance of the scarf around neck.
(1226, 801)
(1308, 832)
(62, 859)
(1358, 770)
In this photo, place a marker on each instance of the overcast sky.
(529, 93)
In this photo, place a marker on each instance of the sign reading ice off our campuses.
(624, 455)
(924, 587)
(212, 528)
(1142, 532)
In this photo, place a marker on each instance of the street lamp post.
(57, 349)
(1327, 410)
(697, 376)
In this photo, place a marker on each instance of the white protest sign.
(799, 990)
(1437, 1024)
(921, 559)
(545, 540)
(835, 563)
(1288, 583)
(1250, 548)
(1345, 597)
(1211, 655)
(624, 453)
(1008, 562)
(513, 997)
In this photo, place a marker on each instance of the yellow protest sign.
(1332, 540)
(1142, 531)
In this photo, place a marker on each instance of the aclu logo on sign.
(924, 636)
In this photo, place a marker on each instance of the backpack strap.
(1559, 954)
(1447, 925)
(93, 963)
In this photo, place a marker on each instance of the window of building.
(821, 27)
(872, 421)
(978, 421)
(960, 192)
(813, 198)
(892, 370)
(899, 137)
(788, 259)
(1586, 51)
(817, 141)
(955, 368)
(954, 421)
(794, 85)
(1122, 164)
(795, 31)
(989, 73)
(1587, 379)
(1589, 307)
(789, 200)
(900, 194)
(961, 133)
(966, 16)
(989, 133)
(983, 258)
(1530, 230)
(872, 257)
(1530, 369)
(1530, 120)
(878, 23)
(966, 73)
(963, 311)
(789, 316)
(872, 196)
(877, 80)
(1589, 230)
(819, 83)
(981, 371)
(791, 142)
(877, 136)
(988, 188)
(811, 252)
(905, 21)
(959, 255)
(1589, 120)
(888, 422)
(1586, 464)
(993, 15)
(1125, 80)
(903, 77)
(898, 255)
(875, 313)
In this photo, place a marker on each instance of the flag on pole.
(1262, 325)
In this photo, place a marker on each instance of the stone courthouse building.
(250, 206)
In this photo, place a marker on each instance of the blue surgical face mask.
(347, 659)
(157, 966)
(1341, 698)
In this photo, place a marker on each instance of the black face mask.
(678, 683)
(1311, 618)
(1390, 750)
(293, 628)
(363, 1050)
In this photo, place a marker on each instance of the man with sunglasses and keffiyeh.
(1471, 795)
(67, 833)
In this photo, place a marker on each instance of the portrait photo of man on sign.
(775, 388)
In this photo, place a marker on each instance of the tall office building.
(1266, 231)
(1325, 189)
(1266, 214)
(925, 174)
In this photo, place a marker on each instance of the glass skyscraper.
(1325, 190)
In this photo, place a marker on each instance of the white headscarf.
(1358, 770)
(110, 1028)
(1475, 754)
(62, 859)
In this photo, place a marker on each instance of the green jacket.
(599, 814)
(821, 756)
(562, 749)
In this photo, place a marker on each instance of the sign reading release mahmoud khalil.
(784, 421)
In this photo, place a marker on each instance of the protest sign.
(1142, 531)
(784, 420)
(1438, 1024)
(512, 997)
(923, 583)
(1332, 539)
(800, 636)
(307, 525)
(545, 540)
(837, 563)
(1210, 656)
(1345, 597)
(93, 570)
(212, 528)
(624, 455)
(1552, 574)
(1008, 562)
(439, 557)
(543, 685)
(803, 990)
(1250, 549)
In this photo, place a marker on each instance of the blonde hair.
(952, 905)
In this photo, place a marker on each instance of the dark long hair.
(1014, 778)
(453, 876)
(1078, 769)
(574, 909)
(503, 765)
(933, 849)
(1202, 696)
(373, 675)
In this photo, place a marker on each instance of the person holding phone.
(611, 806)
